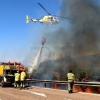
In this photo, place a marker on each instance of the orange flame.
(75, 88)
(99, 89)
(88, 90)
(55, 86)
(78, 89)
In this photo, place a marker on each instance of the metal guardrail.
(89, 83)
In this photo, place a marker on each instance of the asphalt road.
(38, 93)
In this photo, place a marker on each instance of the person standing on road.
(71, 78)
(22, 79)
(17, 79)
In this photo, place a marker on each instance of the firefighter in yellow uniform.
(17, 79)
(22, 79)
(71, 78)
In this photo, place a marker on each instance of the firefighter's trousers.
(16, 84)
(70, 85)
(22, 84)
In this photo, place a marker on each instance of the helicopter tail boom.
(30, 19)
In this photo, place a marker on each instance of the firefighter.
(17, 79)
(71, 78)
(22, 79)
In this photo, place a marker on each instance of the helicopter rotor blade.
(62, 17)
(44, 9)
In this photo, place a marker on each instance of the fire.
(89, 90)
(75, 89)
(78, 89)
(99, 90)
(83, 89)
(55, 86)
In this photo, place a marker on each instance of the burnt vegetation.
(85, 68)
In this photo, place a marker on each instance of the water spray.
(34, 64)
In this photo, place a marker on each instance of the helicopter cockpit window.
(51, 18)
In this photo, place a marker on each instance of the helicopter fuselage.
(49, 19)
(45, 19)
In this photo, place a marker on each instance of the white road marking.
(41, 94)
(67, 99)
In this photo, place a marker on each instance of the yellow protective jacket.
(22, 76)
(70, 76)
(17, 76)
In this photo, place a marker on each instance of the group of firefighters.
(21, 75)
(20, 79)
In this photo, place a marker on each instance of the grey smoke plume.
(83, 30)
(78, 36)
(85, 23)
(82, 34)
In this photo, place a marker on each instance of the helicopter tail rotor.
(27, 19)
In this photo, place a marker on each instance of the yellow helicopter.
(49, 19)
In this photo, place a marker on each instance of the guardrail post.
(45, 84)
(28, 83)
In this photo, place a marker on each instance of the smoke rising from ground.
(80, 36)
(83, 30)
(85, 23)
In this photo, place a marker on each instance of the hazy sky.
(17, 37)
